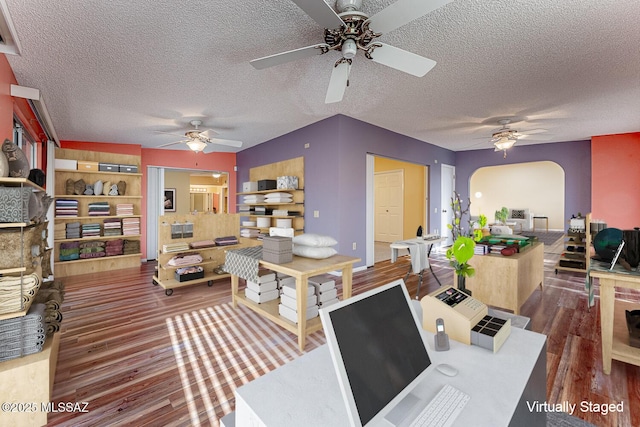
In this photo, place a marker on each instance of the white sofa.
(522, 217)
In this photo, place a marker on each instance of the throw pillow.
(314, 240)
(517, 213)
(313, 252)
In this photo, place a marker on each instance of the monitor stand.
(398, 415)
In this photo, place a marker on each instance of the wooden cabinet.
(292, 167)
(507, 281)
(132, 195)
(205, 227)
(577, 248)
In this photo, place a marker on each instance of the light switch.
(316, 214)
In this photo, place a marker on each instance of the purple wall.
(573, 157)
(335, 172)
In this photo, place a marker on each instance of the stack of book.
(266, 289)
(288, 307)
(481, 249)
(325, 289)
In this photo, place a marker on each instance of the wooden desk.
(507, 281)
(613, 324)
(301, 269)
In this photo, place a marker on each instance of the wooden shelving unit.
(577, 246)
(132, 195)
(17, 270)
(28, 378)
(205, 226)
(292, 167)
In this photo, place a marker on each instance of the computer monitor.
(378, 353)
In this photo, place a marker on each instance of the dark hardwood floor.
(117, 352)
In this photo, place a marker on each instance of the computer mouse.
(448, 370)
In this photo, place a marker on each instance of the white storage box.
(328, 303)
(66, 164)
(328, 295)
(248, 223)
(263, 222)
(261, 297)
(289, 289)
(292, 315)
(262, 287)
(292, 303)
(283, 232)
(283, 222)
(249, 186)
(322, 282)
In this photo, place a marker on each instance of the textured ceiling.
(117, 71)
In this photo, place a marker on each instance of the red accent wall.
(615, 179)
(176, 159)
(18, 106)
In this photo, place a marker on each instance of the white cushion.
(313, 252)
(314, 240)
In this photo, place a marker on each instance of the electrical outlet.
(316, 214)
(307, 145)
(354, 246)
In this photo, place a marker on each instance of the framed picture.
(169, 199)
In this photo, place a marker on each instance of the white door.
(447, 180)
(389, 201)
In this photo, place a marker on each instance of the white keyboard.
(443, 409)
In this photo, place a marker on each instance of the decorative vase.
(461, 285)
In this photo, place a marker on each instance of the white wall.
(538, 186)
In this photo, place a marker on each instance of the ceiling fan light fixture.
(196, 145)
(504, 143)
(349, 49)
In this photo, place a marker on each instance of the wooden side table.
(613, 324)
(546, 218)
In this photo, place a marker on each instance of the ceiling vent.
(8, 38)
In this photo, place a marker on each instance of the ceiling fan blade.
(171, 143)
(208, 134)
(291, 55)
(535, 137)
(320, 12)
(533, 131)
(402, 60)
(229, 142)
(402, 12)
(169, 133)
(338, 82)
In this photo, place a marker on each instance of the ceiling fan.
(505, 137)
(351, 30)
(201, 140)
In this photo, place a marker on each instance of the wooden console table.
(613, 323)
(507, 281)
(301, 269)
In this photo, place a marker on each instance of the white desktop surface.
(305, 391)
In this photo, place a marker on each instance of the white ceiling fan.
(201, 140)
(505, 137)
(351, 30)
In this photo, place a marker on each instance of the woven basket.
(32, 250)
(17, 295)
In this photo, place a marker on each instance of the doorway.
(404, 192)
(448, 183)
